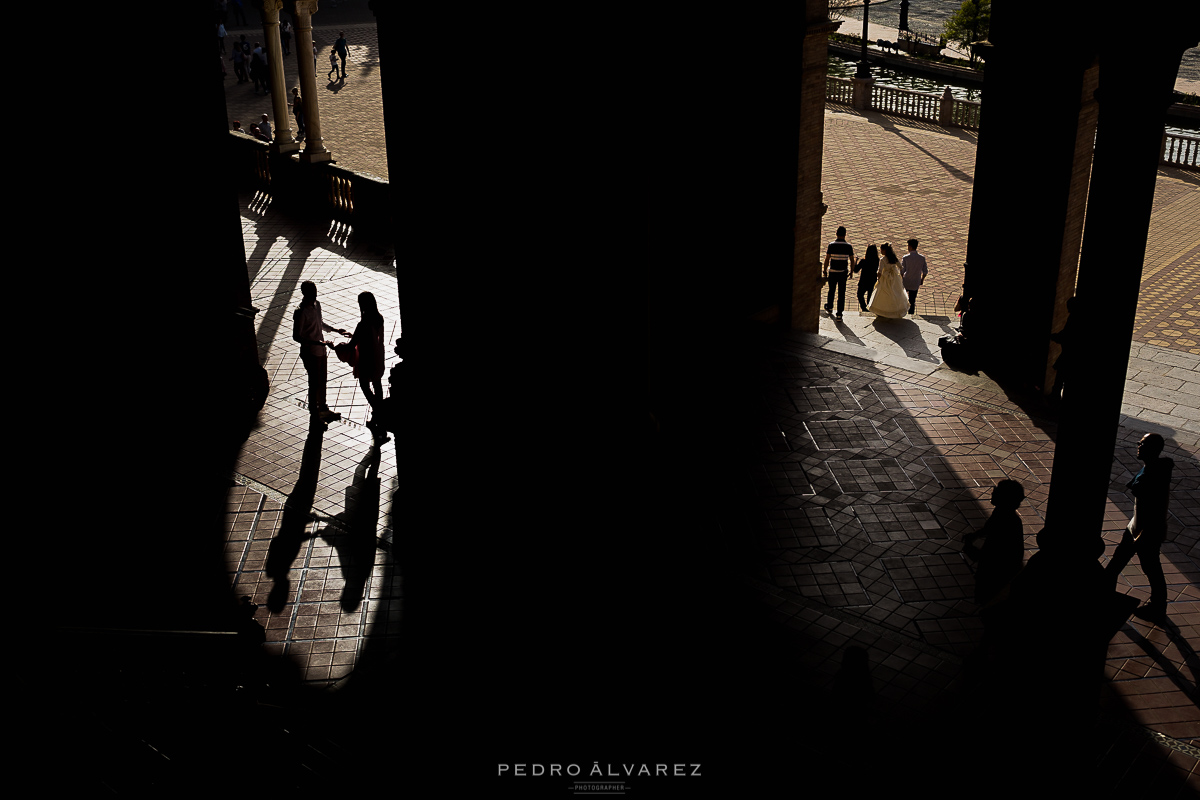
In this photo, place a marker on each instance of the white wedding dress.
(889, 298)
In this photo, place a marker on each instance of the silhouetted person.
(368, 365)
(1147, 529)
(307, 329)
(839, 258)
(1003, 551)
(341, 48)
(868, 274)
(1065, 339)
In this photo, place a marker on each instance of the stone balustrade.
(1178, 150)
(1181, 151)
(943, 109)
(312, 188)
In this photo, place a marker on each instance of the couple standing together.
(364, 352)
(889, 282)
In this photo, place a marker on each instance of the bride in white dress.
(889, 298)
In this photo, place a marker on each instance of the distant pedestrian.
(868, 274)
(333, 65)
(285, 37)
(297, 105)
(341, 48)
(258, 134)
(308, 329)
(1147, 529)
(239, 14)
(839, 258)
(237, 126)
(369, 363)
(221, 34)
(239, 64)
(264, 125)
(910, 266)
(258, 68)
(314, 56)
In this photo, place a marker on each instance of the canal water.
(928, 17)
(844, 68)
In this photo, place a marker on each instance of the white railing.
(1181, 151)
(839, 90)
(943, 109)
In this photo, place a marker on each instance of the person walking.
(1147, 528)
(912, 264)
(239, 62)
(889, 299)
(839, 258)
(285, 37)
(308, 329)
(259, 69)
(333, 66)
(341, 48)
(369, 360)
(297, 106)
(1003, 551)
(221, 34)
(868, 274)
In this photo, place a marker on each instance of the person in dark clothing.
(1147, 529)
(1003, 551)
(341, 48)
(369, 361)
(868, 274)
(839, 259)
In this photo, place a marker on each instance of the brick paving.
(891, 179)
(869, 463)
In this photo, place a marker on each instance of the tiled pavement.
(333, 537)
(870, 466)
(866, 477)
(875, 460)
(891, 179)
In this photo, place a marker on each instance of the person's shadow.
(906, 334)
(293, 527)
(353, 533)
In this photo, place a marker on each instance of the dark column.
(1134, 93)
(809, 249)
(1020, 240)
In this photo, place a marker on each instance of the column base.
(283, 148)
(316, 158)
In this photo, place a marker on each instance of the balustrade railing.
(1181, 151)
(357, 199)
(943, 109)
(906, 103)
(839, 90)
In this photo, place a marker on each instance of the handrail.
(1181, 150)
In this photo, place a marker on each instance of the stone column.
(1135, 91)
(1011, 317)
(862, 93)
(314, 147)
(284, 140)
(808, 252)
